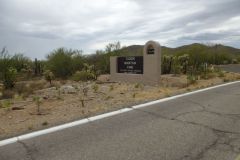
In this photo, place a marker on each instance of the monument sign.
(144, 69)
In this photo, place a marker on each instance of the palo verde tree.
(64, 62)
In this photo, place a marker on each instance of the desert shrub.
(183, 62)
(167, 64)
(221, 74)
(134, 95)
(85, 91)
(5, 104)
(26, 89)
(234, 61)
(111, 88)
(192, 79)
(64, 62)
(20, 62)
(49, 76)
(95, 88)
(45, 123)
(9, 78)
(83, 76)
(226, 80)
(176, 69)
(139, 86)
(38, 102)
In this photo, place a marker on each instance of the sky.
(37, 27)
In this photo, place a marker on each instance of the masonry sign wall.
(144, 69)
(130, 65)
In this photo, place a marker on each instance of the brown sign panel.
(131, 65)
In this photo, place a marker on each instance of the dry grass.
(104, 98)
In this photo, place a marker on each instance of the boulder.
(67, 89)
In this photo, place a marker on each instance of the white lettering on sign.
(130, 63)
(129, 67)
(130, 58)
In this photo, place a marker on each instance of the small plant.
(83, 76)
(95, 88)
(49, 76)
(134, 95)
(38, 102)
(221, 74)
(6, 104)
(191, 79)
(82, 102)
(238, 77)
(108, 97)
(111, 87)
(18, 97)
(226, 80)
(30, 127)
(45, 123)
(59, 96)
(138, 85)
(85, 91)
(167, 94)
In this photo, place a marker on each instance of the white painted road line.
(53, 129)
(181, 95)
(8, 141)
(91, 119)
(109, 114)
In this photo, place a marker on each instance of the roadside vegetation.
(69, 84)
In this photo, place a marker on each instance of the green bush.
(192, 79)
(83, 76)
(9, 78)
(95, 88)
(49, 76)
(63, 62)
(221, 74)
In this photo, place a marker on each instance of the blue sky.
(36, 27)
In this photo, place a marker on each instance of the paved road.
(231, 68)
(203, 126)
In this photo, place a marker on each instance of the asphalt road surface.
(231, 68)
(202, 126)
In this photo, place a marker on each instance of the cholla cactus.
(38, 102)
(49, 76)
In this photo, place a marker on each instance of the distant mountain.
(136, 50)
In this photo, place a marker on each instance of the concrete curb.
(91, 119)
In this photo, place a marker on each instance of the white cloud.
(38, 26)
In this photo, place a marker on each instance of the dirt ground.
(69, 104)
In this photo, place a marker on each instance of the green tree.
(64, 62)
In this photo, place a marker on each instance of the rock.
(47, 93)
(17, 108)
(67, 89)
